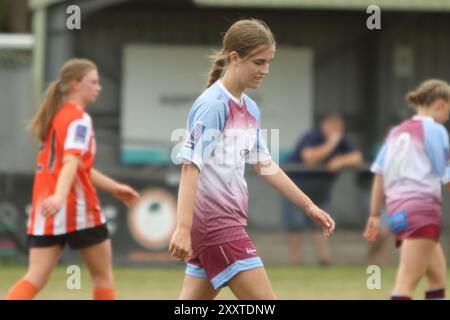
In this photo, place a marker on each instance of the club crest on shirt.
(195, 135)
(80, 133)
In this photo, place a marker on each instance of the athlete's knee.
(197, 289)
(268, 295)
(436, 280)
(406, 286)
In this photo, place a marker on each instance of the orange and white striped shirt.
(71, 132)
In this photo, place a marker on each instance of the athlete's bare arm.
(121, 191)
(372, 228)
(180, 245)
(52, 204)
(278, 179)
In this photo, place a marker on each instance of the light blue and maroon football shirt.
(223, 135)
(414, 163)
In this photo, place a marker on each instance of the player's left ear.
(74, 85)
(234, 57)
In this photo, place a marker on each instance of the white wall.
(17, 148)
(160, 83)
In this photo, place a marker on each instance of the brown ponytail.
(72, 70)
(427, 92)
(219, 62)
(246, 37)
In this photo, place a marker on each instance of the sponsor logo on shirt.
(80, 133)
(244, 153)
(195, 135)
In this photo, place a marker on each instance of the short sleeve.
(437, 149)
(260, 152)
(206, 122)
(378, 164)
(77, 137)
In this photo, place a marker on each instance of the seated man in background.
(325, 146)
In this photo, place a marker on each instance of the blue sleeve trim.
(378, 164)
(436, 147)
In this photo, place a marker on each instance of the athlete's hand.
(126, 194)
(322, 218)
(372, 230)
(52, 205)
(180, 245)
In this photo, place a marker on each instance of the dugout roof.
(400, 5)
(403, 5)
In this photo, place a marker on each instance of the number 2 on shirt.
(401, 146)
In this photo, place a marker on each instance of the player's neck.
(76, 100)
(425, 112)
(232, 86)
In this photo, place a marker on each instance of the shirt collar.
(239, 102)
(417, 117)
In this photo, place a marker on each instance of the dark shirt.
(317, 185)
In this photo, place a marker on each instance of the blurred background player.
(379, 250)
(224, 126)
(65, 203)
(325, 146)
(409, 170)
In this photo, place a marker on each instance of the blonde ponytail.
(40, 123)
(73, 70)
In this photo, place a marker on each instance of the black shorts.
(76, 240)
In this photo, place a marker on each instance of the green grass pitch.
(341, 282)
